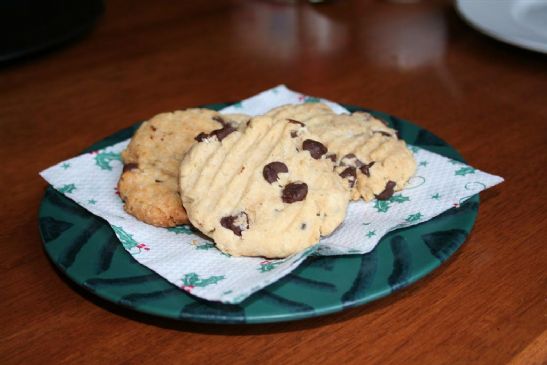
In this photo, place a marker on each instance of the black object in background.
(31, 26)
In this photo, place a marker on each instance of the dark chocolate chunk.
(224, 132)
(294, 134)
(294, 192)
(219, 119)
(200, 137)
(153, 128)
(388, 191)
(158, 181)
(219, 133)
(130, 166)
(272, 170)
(350, 156)
(365, 168)
(351, 174)
(316, 149)
(296, 122)
(331, 157)
(236, 223)
(303, 226)
(349, 171)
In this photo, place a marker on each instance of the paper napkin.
(192, 263)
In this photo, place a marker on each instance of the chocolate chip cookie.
(367, 154)
(264, 190)
(149, 183)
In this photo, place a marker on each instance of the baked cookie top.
(149, 182)
(367, 153)
(264, 190)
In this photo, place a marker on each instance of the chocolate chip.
(202, 136)
(130, 166)
(351, 174)
(349, 171)
(388, 191)
(224, 132)
(219, 119)
(158, 181)
(272, 170)
(153, 128)
(294, 134)
(236, 223)
(315, 148)
(350, 160)
(303, 226)
(219, 133)
(331, 157)
(383, 133)
(296, 122)
(294, 192)
(365, 168)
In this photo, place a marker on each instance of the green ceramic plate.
(85, 248)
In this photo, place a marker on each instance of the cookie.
(366, 153)
(259, 191)
(149, 181)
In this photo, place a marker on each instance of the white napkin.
(196, 266)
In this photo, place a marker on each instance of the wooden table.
(486, 305)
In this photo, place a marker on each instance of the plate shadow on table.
(487, 195)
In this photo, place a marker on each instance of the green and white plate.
(84, 248)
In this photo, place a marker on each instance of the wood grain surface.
(420, 61)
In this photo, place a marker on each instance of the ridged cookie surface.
(367, 153)
(259, 192)
(149, 182)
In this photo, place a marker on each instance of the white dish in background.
(522, 23)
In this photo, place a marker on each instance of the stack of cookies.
(266, 186)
